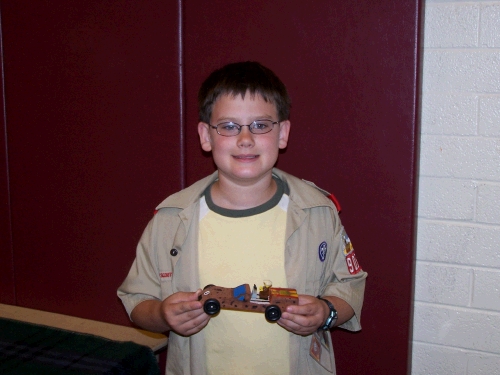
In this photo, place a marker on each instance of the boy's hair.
(238, 78)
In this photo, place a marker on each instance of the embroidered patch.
(322, 251)
(165, 276)
(315, 348)
(350, 257)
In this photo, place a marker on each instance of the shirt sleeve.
(346, 279)
(142, 282)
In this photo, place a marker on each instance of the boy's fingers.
(296, 327)
(309, 309)
(187, 306)
(308, 306)
(184, 296)
(195, 325)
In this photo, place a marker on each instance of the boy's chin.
(247, 175)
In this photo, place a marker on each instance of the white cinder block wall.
(456, 327)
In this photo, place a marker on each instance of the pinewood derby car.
(270, 301)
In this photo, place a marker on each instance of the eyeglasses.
(230, 129)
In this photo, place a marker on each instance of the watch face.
(332, 317)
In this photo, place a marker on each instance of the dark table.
(27, 348)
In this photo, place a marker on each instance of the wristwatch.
(332, 317)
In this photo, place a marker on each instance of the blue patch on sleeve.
(322, 251)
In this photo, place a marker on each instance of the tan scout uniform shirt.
(167, 262)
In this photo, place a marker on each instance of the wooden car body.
(240, 298)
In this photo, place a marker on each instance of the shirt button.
(174, 252)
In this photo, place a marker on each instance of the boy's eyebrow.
(234, 119)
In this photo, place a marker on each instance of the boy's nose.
(245, 138)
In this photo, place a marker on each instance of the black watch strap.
(332, 317)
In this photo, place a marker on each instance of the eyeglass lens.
(256, 127)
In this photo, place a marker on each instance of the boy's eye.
(228, 126)
(261, 125)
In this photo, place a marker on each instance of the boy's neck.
(233, 196)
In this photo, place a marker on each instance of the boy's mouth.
(246, 157)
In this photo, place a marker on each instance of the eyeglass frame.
(241, 127)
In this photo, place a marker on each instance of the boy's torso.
(244, 247)
(167, 262)
(296, 266)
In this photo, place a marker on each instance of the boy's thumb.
(198, 293)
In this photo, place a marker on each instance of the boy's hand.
(306, 317)
(183, 313)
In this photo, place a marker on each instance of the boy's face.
(245, 158)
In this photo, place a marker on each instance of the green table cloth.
(27, 348)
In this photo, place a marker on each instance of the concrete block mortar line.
(459, 93)
(462, 136)
(460, 49)
(462, 350)
(478, 112)
(460, 179)
(458, 223)
(457, 265)
(494, 183)
(470, 2)
(471, 287)
(492, 95)
(478, 29)
(481, 311)
(474, 204)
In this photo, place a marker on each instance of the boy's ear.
(204, 133)
(284, 132)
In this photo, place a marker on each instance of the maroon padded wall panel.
(7, 290)
(351, 69)
(92, 98)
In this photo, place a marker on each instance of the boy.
(245, 223)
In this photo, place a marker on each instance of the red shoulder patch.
(335, 202)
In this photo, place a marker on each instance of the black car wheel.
(273, 313)
(211, 306)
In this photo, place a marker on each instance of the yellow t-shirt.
(244, 247)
